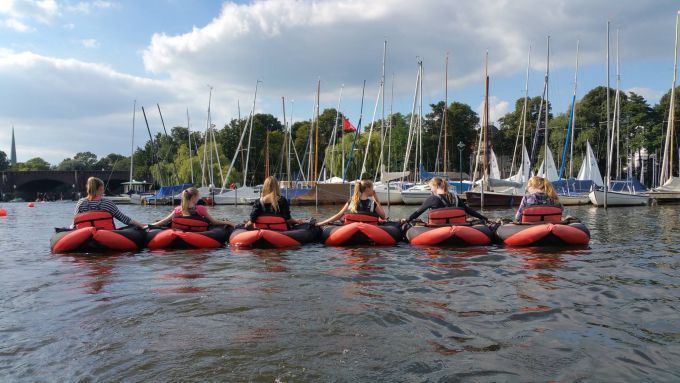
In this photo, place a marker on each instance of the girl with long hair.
(363, 200)
(441, 197)
(272, 202)
(95, 202)
(189, 207)
(539, 192)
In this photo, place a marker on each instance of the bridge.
(57, 184)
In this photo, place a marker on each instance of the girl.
(188, 207)
(94, 202)
(540, 192)
(364, 200)
(272, 203)
(441, 197)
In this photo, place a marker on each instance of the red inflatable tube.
(527, 235)
(93, 239)
(375, 233)
(167, 239)
(251, 238)
(427, 236)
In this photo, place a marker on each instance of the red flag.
(347, 126)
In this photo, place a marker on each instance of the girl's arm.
(379, 209)
(165, 220)
(336, 216)
(217, 221)
(518, 215)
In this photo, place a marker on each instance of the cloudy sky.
(71, 70)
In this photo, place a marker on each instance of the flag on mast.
(347, 126)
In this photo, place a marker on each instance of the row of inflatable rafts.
(540, 226)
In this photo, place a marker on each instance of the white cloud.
(87, 7)
(43, 11)
(89, 43)
(497, 109)
(15, 25)
(69, 26)
(651, 95)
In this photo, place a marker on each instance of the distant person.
(271, 203)
(441, 197)
(364, 200)
(539, 192)
(189, 207)
(94, 203)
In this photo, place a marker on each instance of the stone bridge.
(57, 184)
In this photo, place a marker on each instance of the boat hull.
(617, 199)
(493, 199)
(574, 200)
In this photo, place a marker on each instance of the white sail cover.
(589, 169)
(551, 170)
(672, 185)
(389, 176)
(524, 171)
(494, 171)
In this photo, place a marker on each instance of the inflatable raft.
(95, 232)
(543, 226)
(192, 232)
(271, 231)
(362, 229)
(449, 227)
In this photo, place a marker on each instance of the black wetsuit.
(260, 208)
(442, 200)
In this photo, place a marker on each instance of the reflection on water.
(603, 313)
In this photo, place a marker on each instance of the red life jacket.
(95, 218)
(544, 213)
(371, 219)
(271, 222)
(447, 216)
(189, 223)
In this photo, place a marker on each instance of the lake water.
(603, 314)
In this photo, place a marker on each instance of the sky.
(71, 71)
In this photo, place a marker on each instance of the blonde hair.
(439, 182)
(93, 185)
(271, 189)
(359, 188)
(187, 195)
(541, 184)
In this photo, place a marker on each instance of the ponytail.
(359, 188)
(439, 183)
(187, 195)
(271, 189)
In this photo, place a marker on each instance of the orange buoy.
(3, 212)
(31, 204)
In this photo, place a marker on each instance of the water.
(607, 313)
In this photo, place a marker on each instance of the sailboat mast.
(205, 140)
(191, 163)
(250, 135)
(667, 164)
(522, 129)
(547, 109)
(617, 109)
(316, 140)
(485, 126)
(389, 135)
(446, 112)
(573, 115)
(608, 172)
(382, 124)
(132, 144)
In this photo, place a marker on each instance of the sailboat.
(669, 191)
(243, 194)
(618, 192)
(491, 190)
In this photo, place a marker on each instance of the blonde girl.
(363, 200)
(271, 202)
(188, 208)
(539, 192)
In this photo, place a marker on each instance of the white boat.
(240, 196)
(573, 200)
(668, 192)
(393, 196)
(416, 195)
(118, 199)
(617, 198)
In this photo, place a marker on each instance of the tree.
(4, 163)
(36, 163)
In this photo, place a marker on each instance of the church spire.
(13, 154)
